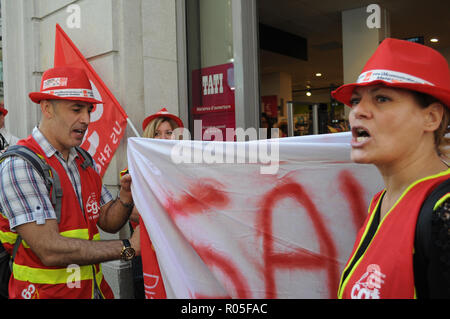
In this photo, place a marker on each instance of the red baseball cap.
(162, 113)
(403, 64)
(65, 83)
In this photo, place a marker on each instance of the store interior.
(305, 72)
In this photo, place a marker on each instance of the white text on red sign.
(212, 84)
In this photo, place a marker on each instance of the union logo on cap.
(54, 82)
(406, 65)
(66, 83)
(367, 77)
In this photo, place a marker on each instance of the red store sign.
(213, 100)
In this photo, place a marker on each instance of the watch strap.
(126, 243)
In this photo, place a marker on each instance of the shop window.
(210, 68)
(320, 45)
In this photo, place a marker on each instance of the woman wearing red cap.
(160, 125)
(399, 118)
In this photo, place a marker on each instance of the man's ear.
(433, 116)
(47, 108)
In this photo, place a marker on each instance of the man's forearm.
(114, 215)
(53, 249)
(82, 252)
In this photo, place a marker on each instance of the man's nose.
(85, 116)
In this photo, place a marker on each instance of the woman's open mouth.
(360, 136)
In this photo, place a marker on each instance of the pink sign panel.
(213, 100)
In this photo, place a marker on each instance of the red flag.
(108, 120)
(153, 282)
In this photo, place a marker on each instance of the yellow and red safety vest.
(30, 277)
(385, 269)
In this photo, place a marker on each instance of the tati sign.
(213, 98)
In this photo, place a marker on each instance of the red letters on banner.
(327, 257)
(353, 192)
(232, 272)
(203, 196)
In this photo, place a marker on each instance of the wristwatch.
(127, 251)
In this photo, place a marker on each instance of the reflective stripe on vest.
(56, 276)
(51, 276)
(8, 237)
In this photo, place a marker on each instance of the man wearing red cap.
(62, 259)
(6, 139)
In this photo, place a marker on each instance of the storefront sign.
(213, 99)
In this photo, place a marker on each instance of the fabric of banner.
(260, 219)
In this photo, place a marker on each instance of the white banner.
(261, 219)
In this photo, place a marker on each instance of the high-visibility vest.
(385, 269)
(30, 277)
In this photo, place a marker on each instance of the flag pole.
(133, 128)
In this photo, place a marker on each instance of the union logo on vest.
(92, 207)
(368, 286)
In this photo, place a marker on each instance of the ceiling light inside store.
(318, 74)
(308, 93)
(434, 40)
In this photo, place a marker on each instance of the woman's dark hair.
(423, 99)
(441, 141)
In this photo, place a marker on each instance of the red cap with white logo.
(403, 64)
(65, 83)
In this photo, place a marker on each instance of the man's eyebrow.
(89, 106)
